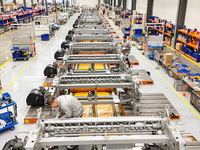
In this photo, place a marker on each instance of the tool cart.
(7, 117)
(20, 53)
(23, 38)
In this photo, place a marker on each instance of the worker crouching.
(68, 107)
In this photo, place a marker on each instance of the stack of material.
(86, 111)
(168, 59)
(105, 110)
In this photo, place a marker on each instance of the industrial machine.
(100, 64)
(143, 133)
(96, 74)
(101, 47)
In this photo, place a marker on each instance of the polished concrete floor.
(20, 77)
(5, 39)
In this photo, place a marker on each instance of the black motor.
(50, 70)
(75, 25)
(15, 144)
(64, 45)
(68, 38)
(59, 53)
(70, 32)
(36, 97)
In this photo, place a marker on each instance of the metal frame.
(147, 130)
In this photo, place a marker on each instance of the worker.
(103, 11)
(68, 105)
(126, 47)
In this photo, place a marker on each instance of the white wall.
(192, 14)
(141, 6)
(166, 9)
(128, 4)
(86, 2)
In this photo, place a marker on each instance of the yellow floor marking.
(5, 63)
(30, 62)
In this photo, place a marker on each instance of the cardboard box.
(168, 59)
(179, 46)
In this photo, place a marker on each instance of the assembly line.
(97, 68)
(105, 71)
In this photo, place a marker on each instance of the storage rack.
(190, 49)
(23, 17)
(139, 18)
(5, 21)
(29, 14)
(168, 29)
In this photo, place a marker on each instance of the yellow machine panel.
(99, 66)
(83, 66)
(81, 94)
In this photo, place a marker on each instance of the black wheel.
(68, 38)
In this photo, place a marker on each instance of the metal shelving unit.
(190, 48)
(168, 29)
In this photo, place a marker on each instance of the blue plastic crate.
(126, 29)
(151, 56)
(6, 96)
(189, 52)
(45, 37)
(9, 123)
(16, 47)
(16, 55)
(184, 65)
(184, 49)
(183, 71)
(138, 31)
(195, 56)
(196, 74)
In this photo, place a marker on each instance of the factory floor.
(20, 77)
(24, 30)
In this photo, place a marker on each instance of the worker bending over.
(68, 105)
(126, 47)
